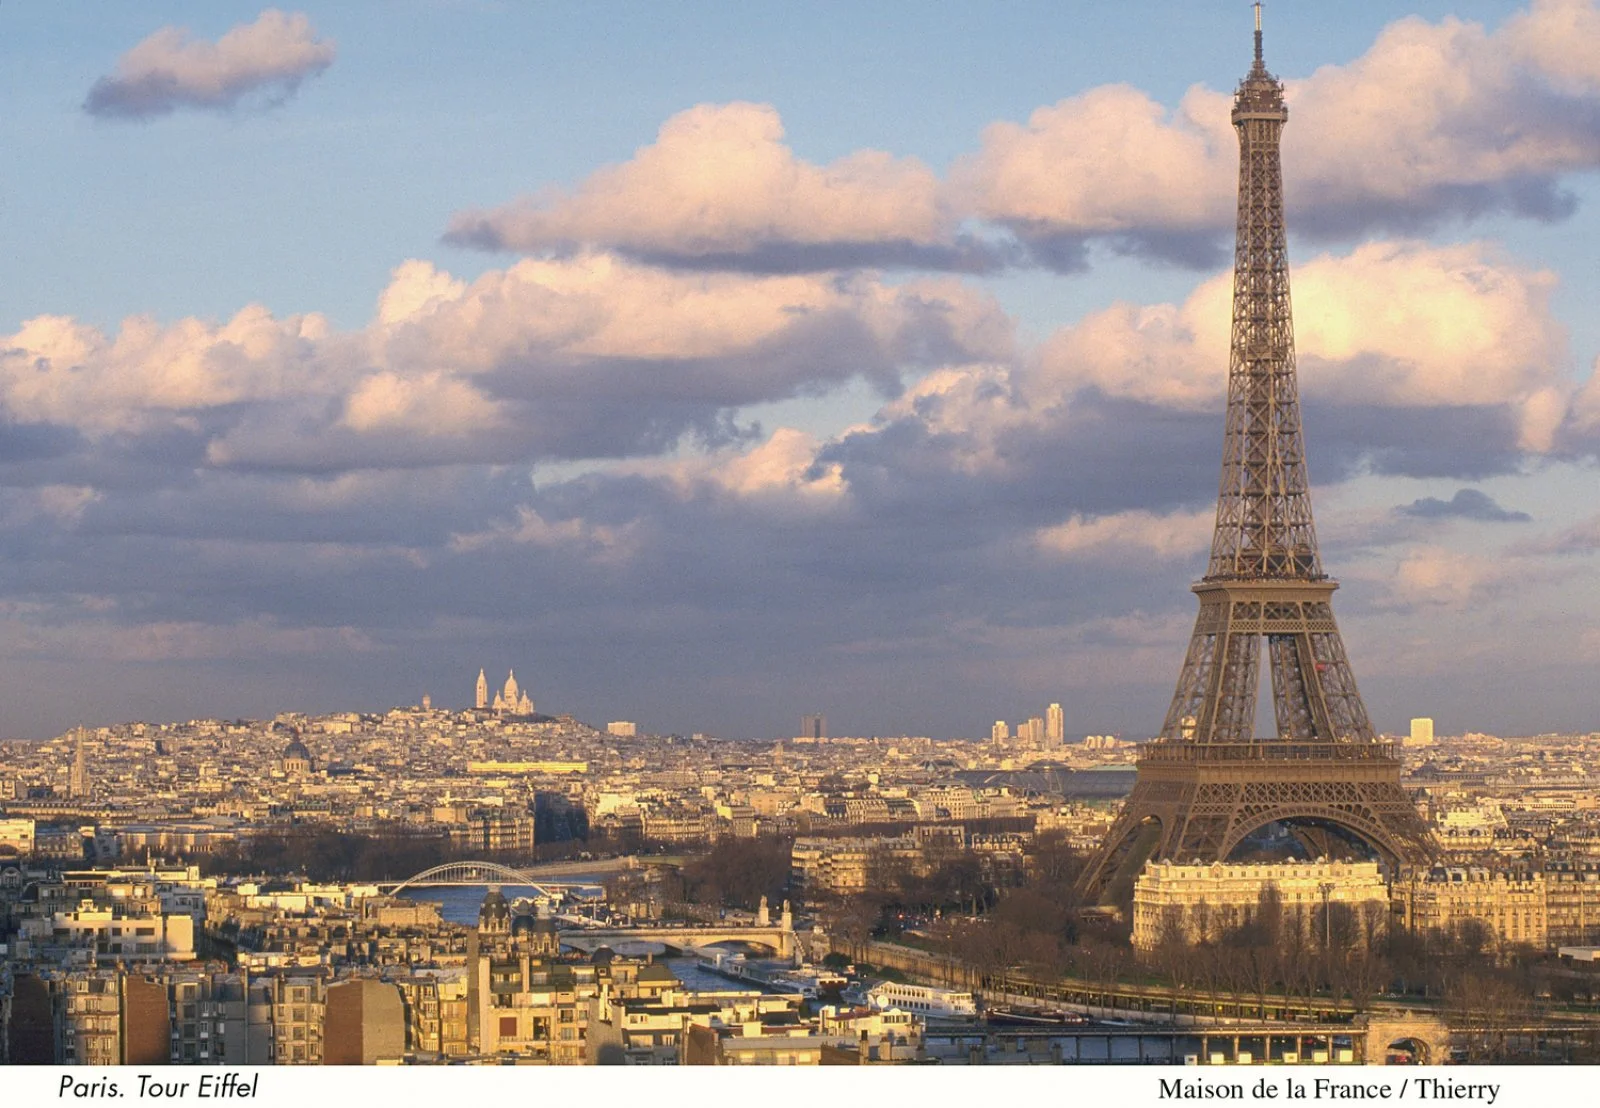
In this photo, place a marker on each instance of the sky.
(713, 364)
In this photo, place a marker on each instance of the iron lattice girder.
(1314, 690)
(1207, 782)
(1208, 800)
(1264, 523)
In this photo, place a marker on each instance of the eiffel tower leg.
(1231, 716)
(1347, 716)
(1193, 682)
(1296, 700)
(1216, 692)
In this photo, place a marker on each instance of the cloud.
(785, 463)
(58, 504)
(596, 307)
(260, 62)
(431, 405)
(598, 542)
(55, 370)
(1442, 360)
(719, 187)
(1416, 359)
(1006, 505)
(1458, 332)
(1470, 504)
(1108, 163)
(1580, 539)
(1414, 325)
(1583, 419)
(1435, 122)
(584, 357)
(103, 641)
(1128, 534)
(1436, 577)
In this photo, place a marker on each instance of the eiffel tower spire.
(1264, 526)
(1208, 782)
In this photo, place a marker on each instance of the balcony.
(1266, 750)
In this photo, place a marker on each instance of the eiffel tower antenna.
(1207, 782)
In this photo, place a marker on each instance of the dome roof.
(495, 909)
(296, 749)
(522, 925)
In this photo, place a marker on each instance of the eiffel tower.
(1207, 784)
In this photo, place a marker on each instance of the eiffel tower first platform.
(1207, 784)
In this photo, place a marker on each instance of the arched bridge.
(482, 873)
(778, 939)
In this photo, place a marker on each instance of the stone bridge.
(779, 940)
(1424, 1037)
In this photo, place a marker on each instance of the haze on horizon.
(709, 367)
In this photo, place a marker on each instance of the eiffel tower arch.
(1207, 783)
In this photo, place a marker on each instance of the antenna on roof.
(1258, 30)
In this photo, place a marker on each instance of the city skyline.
(712, 372)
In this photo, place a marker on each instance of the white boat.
(922, 1000)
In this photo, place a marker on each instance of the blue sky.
(739, 362)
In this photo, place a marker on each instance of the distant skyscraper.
(79, 783)
(1032, 732)
(1421, 733)
(1000, 732)
(814, 727)
(1055, 725)
(482, 699)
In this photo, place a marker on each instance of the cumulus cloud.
(1459, 332)
(598, 542)
(1583, 419)
(1436, 121)
(1405, 350)
(1437, 577)
(1409, 325)
(1472, 504)
(599, 307)
(719, 186)
(264, 61)
(1449, 119)
(1421, 359)
(1006, 503)
(431, 405)
(582, 357)
(59, 371)
(1109, 163)
(1128, 534)
(786, 462)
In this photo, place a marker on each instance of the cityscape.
(1280, 874)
